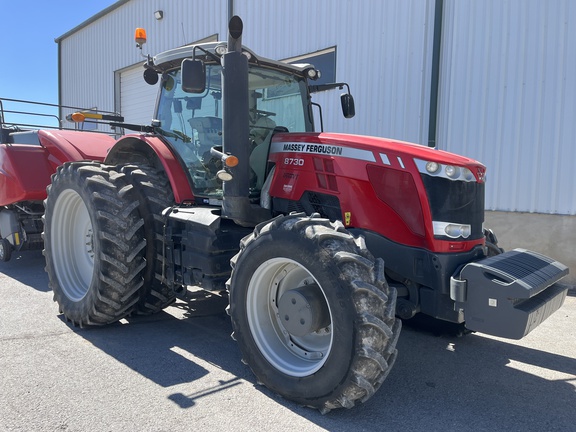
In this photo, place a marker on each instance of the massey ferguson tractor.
(319, 240)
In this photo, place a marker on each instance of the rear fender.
(65, 145)
(151, 150)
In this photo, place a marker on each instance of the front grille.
(457, 202)
(326, 205)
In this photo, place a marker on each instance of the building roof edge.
(91, 20)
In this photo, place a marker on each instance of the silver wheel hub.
(303, 310)
(72, 245)
(289, 317)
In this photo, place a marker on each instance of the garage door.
(137, 99)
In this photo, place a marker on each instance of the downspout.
(435, 76)
(230, 9)
(60, 113)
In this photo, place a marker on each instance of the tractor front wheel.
(312, 312)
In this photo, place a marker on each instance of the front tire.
(94, 252)
(312, 312)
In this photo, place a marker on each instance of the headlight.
(452, 230)
(432, 167)
(450, 172)
(467, 174)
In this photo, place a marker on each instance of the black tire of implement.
(118, 247)
(153, 191)
(491, 241)
(365, 330)
(5, 250)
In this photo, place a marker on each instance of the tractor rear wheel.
(154, 193)
(93, 245)
(312, 312)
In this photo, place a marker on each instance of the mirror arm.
(208, 53)
(323, 87)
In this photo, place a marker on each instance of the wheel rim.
(289, 351)
(72, 245)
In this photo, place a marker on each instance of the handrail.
(7, 124)
(34, 114)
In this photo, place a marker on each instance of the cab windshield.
(192, 123)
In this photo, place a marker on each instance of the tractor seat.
(209, 130)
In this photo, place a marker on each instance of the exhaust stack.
(236, 131)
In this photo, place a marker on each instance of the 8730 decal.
(294, 161)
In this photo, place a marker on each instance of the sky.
(29, 55)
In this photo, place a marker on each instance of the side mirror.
(347, 102)
(193, 76)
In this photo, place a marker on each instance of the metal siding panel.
(508, 98)
(92, 55)
(383, 50)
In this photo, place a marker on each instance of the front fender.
(152, 150)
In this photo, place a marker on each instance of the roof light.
(221, 49)
(312, 73)
(140, 37)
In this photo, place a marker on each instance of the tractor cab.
(190, 116)
(192, 123)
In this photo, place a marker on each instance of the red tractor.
(319, 240)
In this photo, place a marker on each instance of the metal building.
(491, 79)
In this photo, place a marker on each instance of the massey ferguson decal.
(312, 148)
(322, 149)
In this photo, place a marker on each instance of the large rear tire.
(154, 194)
(312, 312)
(92, 243)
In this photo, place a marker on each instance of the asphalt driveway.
(180, 371)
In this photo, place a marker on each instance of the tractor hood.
(370, 149)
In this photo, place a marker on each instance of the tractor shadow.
(441, 380)
(445, 381)
(163, 348)
(27, 267)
